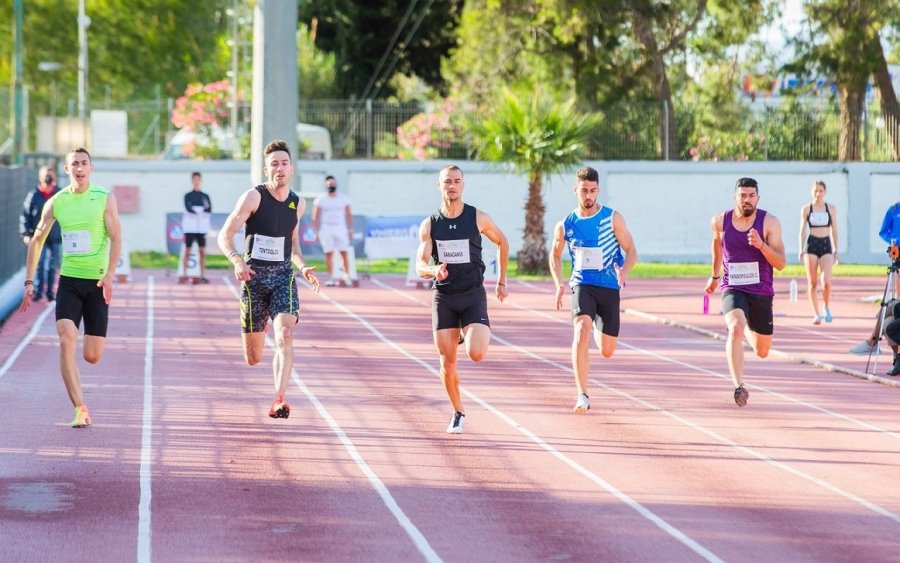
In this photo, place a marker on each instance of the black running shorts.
(78, 298)
(457, 310)
(757, 309)
(270, 292)
(818, 246)
(189, 239)
(595, 301)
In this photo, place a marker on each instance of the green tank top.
(85, 240)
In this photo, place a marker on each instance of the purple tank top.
(745, 267)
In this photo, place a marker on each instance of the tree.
(361, 33)
(535, 136)
(843, 44)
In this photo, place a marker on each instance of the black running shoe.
(456, 423)
(740, 396)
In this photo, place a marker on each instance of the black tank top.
(272, 219)
(457, 241)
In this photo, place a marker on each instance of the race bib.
(76, 242)
(743, 273)
(588, 258)
(453, 251)
(266, 248)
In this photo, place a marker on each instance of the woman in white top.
(818, 248)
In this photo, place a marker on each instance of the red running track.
(182, 463)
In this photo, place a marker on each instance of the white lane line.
(630, 502)
(387, 498)
(26, 341)
(144, 530)
(749, 451)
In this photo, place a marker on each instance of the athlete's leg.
(583, 325)
(68, 365)
(283, 362)
(761, 343)
(736, 322)
(478, 338)
(812, 281)
(446, 341)
(93, 347)
(329, 264)
(202, 250)
(253, 346)
(826, 262)
(345, 261)
(186, 257)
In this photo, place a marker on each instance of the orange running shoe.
(279, 408)
(82, 417)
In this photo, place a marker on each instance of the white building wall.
(667, 205)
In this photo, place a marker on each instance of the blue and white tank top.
(594, 249)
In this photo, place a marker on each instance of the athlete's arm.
(317, 216)
(490, 229)
(623, 236)
(423, 255)
(308, 272)
(114, 232)
(559, 242)
(804, 216)
(245, 207)
(718, 224)
(35, 246)
(770, 244)
(349, 221)
(834, 232)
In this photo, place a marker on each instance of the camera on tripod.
(894, 252)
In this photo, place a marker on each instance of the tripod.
(889, 289)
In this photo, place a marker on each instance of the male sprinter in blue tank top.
(596, 236)
(746, 245)
(452, 239)
(272, 213)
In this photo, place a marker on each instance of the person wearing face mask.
(48, 264)
(333, 222)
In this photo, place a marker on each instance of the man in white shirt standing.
(333, 222)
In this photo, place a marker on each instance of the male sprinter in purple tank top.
(746, 245)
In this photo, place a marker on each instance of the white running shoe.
(862, 349)
(456, 423)
(582, 404)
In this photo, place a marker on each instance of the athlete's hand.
(501, 292)
(711, 284)
(26, 298)
(560, 290)
(754, 240)
(242, 271)
(836, 261)
(308, 273)
(441, 273)
(106, 283)
(800, 256)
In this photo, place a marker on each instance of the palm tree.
(536, 137)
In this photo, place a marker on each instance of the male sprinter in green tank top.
(89, 220)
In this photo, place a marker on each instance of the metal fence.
(14, 184)
(791, 130)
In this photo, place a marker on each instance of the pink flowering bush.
(426, 135)
(202, 108)
(729, 146)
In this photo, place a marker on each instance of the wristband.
(715, 277)
(503, 284)
(28, 282)
(233, 253)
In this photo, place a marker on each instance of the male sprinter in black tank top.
(271, 212)
(452, 239)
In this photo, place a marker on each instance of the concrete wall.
(667, 205)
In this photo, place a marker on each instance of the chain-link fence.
(792, 129)
(14, 184)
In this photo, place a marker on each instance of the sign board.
(392, 237)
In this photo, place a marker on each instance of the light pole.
(83, 23)
(51, 66)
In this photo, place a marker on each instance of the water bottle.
(705, 303)
(793, 291)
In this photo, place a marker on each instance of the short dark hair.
(450, 167)
(746, 183)
(276, 146)
(329, 178)
(587, 174)
(196, 175)
(77, 150)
